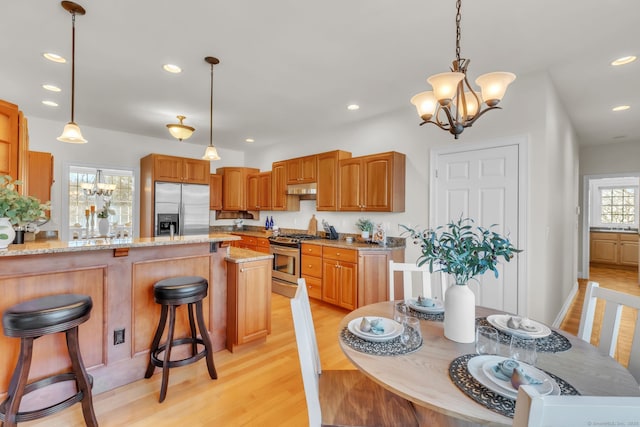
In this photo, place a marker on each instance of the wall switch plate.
(118, 336)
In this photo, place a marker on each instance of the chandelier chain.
(458, 19)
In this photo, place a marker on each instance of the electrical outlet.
(118, 336)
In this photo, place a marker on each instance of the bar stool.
(171, 293)
(30, 320)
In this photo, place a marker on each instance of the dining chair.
(534, 410)
(341, 397)
(408, 270)
(614, 301)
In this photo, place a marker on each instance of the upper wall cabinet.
(259, 191)
(215, 192)
(373, 183)
(234, 187)
(40, 175)
(302, 169)
(280, 200)
(180, 169)
(328, 179)
(14, 141)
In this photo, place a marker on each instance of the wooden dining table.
(423, 377)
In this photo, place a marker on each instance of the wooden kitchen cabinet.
(14, 142)
(215, 192)
(311, 269)
(280, 200)
(616, 249)
(374, 183)
(340, 277)
(259, 191)
(302, 170)
(234, 187)
(258, 244)
(40, 175)
(180, 169)
(248, 302)
(328, 179)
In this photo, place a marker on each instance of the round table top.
(423, 376)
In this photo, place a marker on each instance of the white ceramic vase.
(460, 314)
(364, 235)
(103, 226)
(7, 233)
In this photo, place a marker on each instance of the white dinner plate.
(437, 308)
(500, 321)
(474, 366)
(545, 388)
(391, 329)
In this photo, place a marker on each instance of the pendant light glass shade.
(494, 85)
(426, 104)
(180, 131)
(72, 134)
(445, 86)
(211, 153)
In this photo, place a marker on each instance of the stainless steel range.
(285, 249)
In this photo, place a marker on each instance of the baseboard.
(566, 306)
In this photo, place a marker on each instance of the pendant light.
(211, 153)
(180, 131)
(71, 132)
(453, 96)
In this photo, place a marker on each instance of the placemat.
(553, 343)
(434, 317)
(387, 348)
(461, 377)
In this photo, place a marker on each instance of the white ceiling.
(290, 67)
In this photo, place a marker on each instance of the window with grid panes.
(81, 201)
(618, 205)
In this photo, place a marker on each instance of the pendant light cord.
(73, 63)
(211, 111)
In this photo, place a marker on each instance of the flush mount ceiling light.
(211, 153)
(171, 68)
(453, 105)
(623, 61)
(71, 132)
(51, 88)
(54, 57)
(179, 130)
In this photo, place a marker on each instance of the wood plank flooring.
(259, 386)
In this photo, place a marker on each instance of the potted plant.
(365, 226)
(17, 209)
(463, 251)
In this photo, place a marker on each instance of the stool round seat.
(46, 315)
(180, 290)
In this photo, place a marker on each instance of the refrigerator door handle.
(181, 216)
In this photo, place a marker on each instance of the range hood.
(304, 191)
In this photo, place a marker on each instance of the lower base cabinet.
(248, 302)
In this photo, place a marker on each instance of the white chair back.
(408, 270)
(610, 327)
(533, 410)
(307, 351)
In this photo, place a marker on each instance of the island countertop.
(96, 244)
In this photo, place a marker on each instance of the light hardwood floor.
(255, 387)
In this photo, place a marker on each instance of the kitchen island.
(119, 275)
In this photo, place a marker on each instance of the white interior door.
(482, 184)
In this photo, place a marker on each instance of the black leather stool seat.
(30, 320)
(180, 290)
(171, 293)
(47, 315)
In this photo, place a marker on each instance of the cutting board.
(313, 225)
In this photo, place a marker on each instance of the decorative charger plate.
(438, 306)
(476, 367)
(500, 321)
(391, 329)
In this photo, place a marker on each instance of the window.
(83, 200)
(618, 205)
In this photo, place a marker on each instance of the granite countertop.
(614, 230)
(240, 255)
(57, 246)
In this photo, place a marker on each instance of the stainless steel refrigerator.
(185, 206)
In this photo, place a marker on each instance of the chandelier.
(453, 105)
(98, 187)
(211, 153)
(180, 131)
(71, 132)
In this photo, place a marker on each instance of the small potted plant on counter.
(17, 211)
(365, 226)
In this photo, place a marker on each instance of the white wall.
(108, 149)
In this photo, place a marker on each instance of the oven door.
(286, 263)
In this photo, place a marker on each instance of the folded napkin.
(517, 322)
(425, 302)
(510, 370)
(374, 326)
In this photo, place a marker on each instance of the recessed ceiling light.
(52, 88)
(249, 140)
(54, 57)
(171, 68)
(621, 108)
(353, 107)
(624, 60)
(50, 103)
